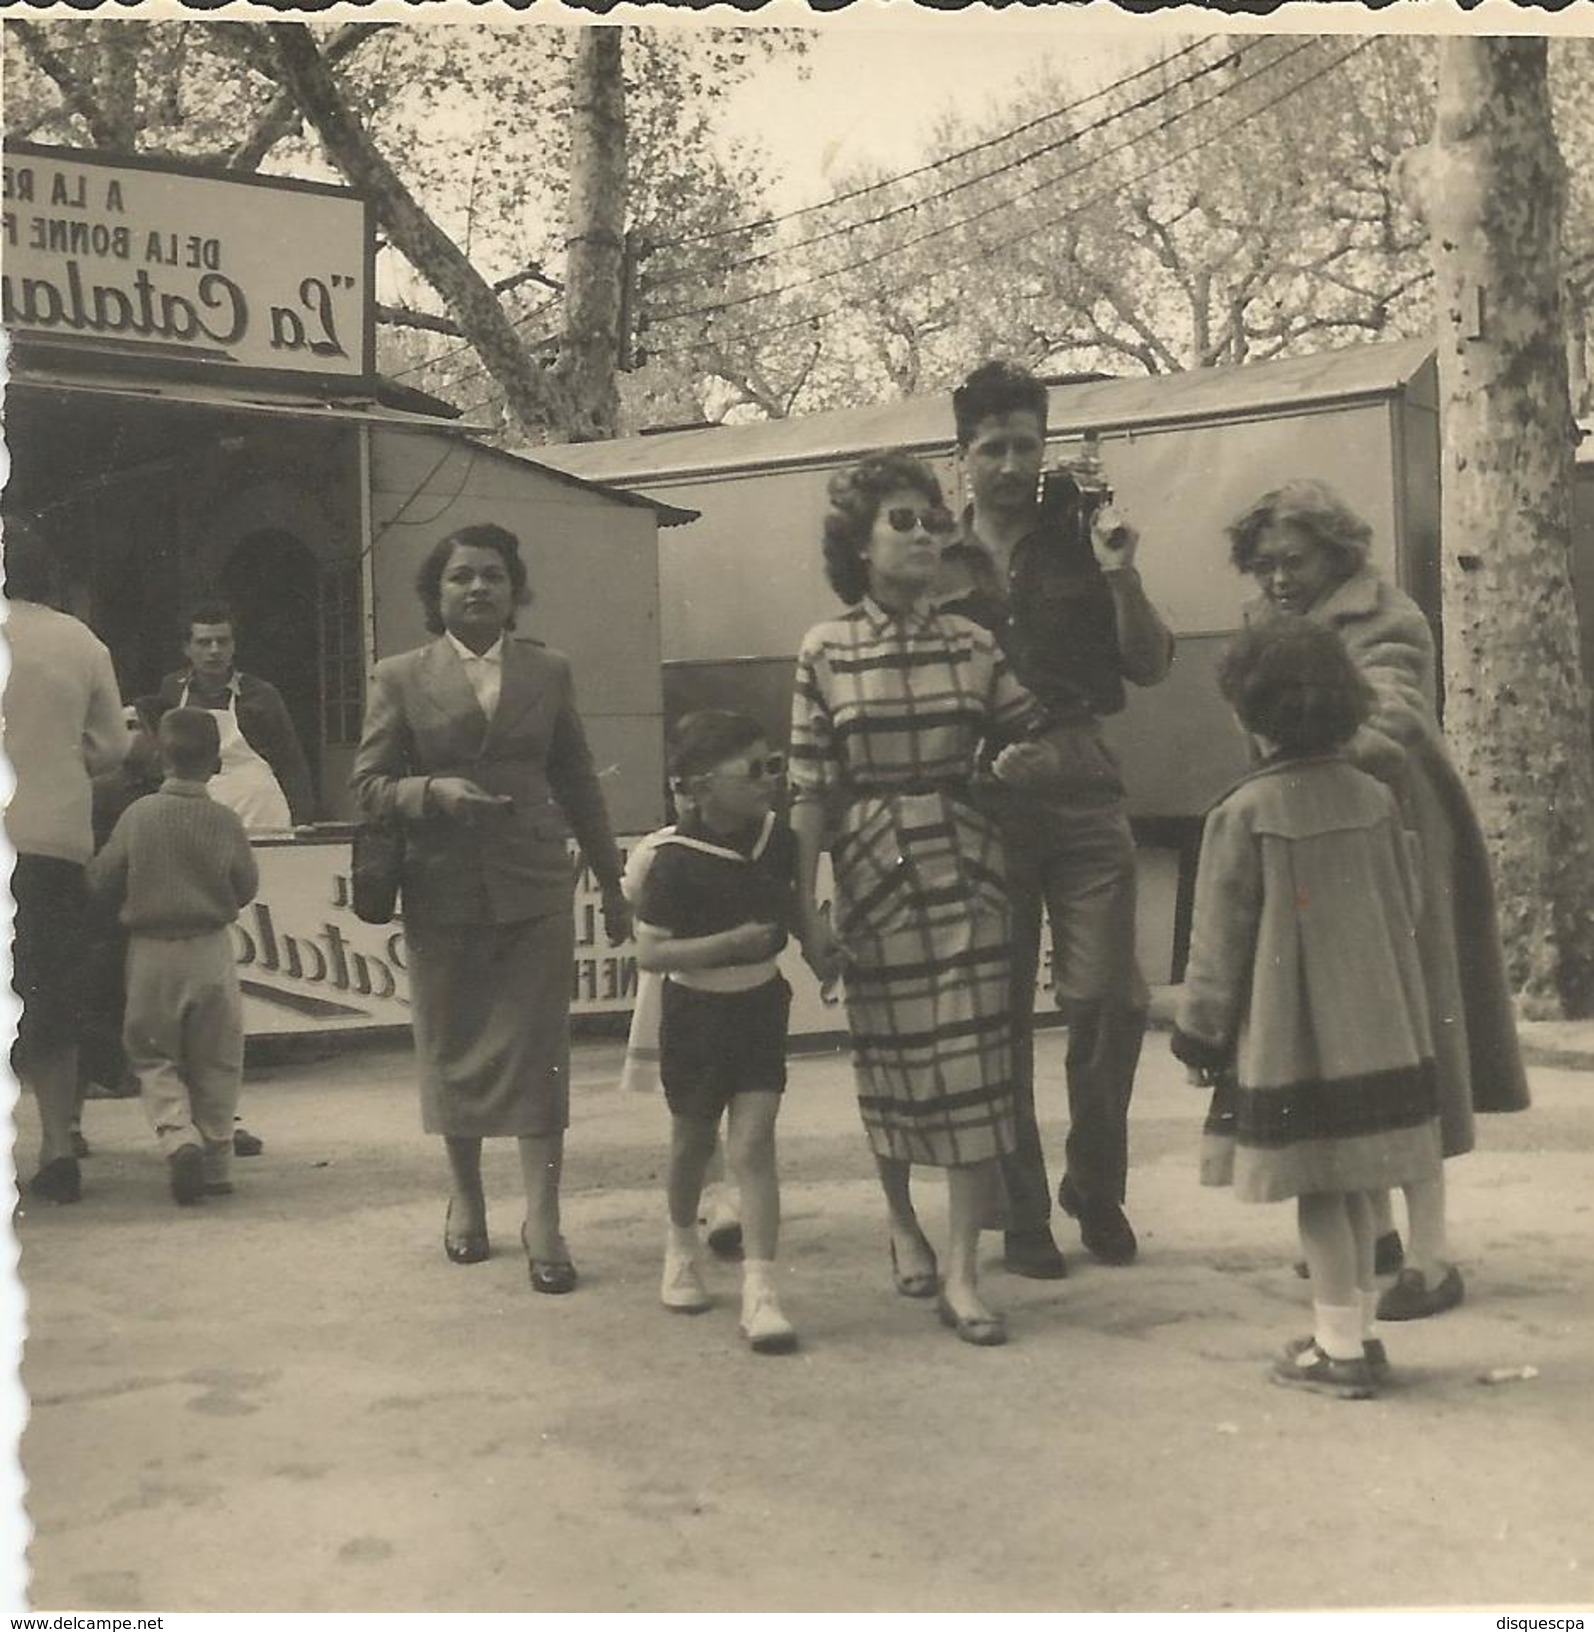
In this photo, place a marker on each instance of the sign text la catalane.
(126, 260)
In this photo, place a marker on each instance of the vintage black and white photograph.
(800, 810)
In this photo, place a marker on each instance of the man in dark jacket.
(1067, 605)
(265, 777)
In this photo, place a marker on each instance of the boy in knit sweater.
(178, 868)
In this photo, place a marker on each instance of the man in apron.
(264, 776)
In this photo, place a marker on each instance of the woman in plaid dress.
(892, 703)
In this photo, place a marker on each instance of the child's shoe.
(1311, 1368)
(186, 1168)
(766, 1329)
(683, 1289)
(1373, 1352)
(218, 1167)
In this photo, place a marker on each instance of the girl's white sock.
(683, 1243)
(757, 1274)
(1339, 1329)
(1369, 1314)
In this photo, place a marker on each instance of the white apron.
(246, 784)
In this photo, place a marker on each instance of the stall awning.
(232, 398)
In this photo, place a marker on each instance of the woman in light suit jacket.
(474, 742)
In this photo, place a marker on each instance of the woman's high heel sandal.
(984, 1331)
(921, 1283)
(547, 1274)
(472, 1248)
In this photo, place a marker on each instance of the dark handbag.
(375, 871)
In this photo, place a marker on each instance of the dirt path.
(290, 1401)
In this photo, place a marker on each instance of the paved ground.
(288, 1400)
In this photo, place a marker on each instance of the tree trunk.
(1517, 706)
(528, 391)
(589, 357)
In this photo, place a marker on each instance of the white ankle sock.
(682, 1243)
(1369, 1315)
(1338, 1329)
(758, 1275)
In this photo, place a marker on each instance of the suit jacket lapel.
(517, 692)
(449, 690)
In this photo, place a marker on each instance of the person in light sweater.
(63, 725)
(179, 868)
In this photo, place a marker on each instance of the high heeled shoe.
(984, 1331)
(549, 1275)
(471, 1248)
(922, 1283)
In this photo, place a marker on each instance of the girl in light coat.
(1304, 999)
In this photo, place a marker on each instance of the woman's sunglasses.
(904, 518)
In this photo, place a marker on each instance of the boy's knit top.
(178, 863)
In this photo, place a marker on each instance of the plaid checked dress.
(888, 714)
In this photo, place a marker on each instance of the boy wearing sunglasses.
(715, 911)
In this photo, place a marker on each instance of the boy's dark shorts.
(49, 953)
(714, 1045)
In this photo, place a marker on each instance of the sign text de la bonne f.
(127, 260)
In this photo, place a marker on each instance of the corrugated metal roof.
(239, 398)
(926, 422)
(669, 515)
(232, 397)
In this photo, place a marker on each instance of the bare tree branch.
(303, 70)
(283, 118)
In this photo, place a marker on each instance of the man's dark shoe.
(1411, 1298)
(1033, 1253)
(59, 1181)
(1104, 1230)
(245, 1143)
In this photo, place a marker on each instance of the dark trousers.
(1077, 867)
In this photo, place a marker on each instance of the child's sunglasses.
(755, 770)
(903, 518)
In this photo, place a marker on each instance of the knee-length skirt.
(490, 1005)
(922, 908)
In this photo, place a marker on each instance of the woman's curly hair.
(1292, 681)
(855, 494)
(485, 535)
(1313, 507)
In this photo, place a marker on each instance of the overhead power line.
(989, 248)
(762, 222)
(1007, 201)
(1068, 139)
(1160, 64)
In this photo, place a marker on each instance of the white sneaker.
(766, 1329)
(683, 1289)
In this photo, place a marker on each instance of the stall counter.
(307, 964)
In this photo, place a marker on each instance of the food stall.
(193, 409)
